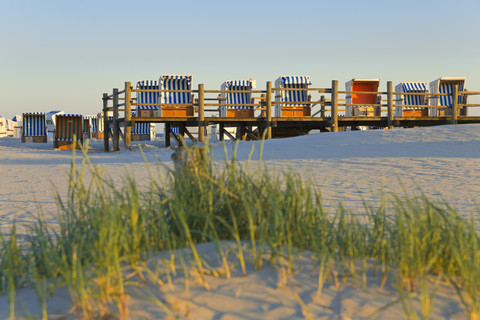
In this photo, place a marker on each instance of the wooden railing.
(262, 101)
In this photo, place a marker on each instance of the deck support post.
(167, 134)
(201, 113)
(221, 128)
(268, 109)
(390, 104)
(106, 128)
(454, 110)
(128, 115)
(334, 106)
(116, 126)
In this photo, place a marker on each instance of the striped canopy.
(68, 126)
(414, 87)
(237, 97)
(140, 128)
(294, 82)
(91, 121)
(176, 82)
(34, 124)
(447, 87)
(147, 97)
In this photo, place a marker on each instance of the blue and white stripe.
(140, 128)
(448, 87)
(176, 82)
(34, 124)
(294, 82)
(147, 97)
(237, 97)
(408, 99)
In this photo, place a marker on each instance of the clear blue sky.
(64, 54)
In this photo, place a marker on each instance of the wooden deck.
(328, 119)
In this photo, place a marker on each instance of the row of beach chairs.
(180, 103)
(183, 101)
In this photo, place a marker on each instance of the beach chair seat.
(68, 131)
(292, 109)
(34, 127)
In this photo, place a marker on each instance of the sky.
(63, 55)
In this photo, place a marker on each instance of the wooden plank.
(334, 106)
(390, 104)
(190, 135)
(228, 134)
(268, 102)
(201, 113)
(167, 135)
(128, 114)
(455, 104)
(106, 145)
(116, 125)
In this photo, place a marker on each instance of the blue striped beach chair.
(88, 126)
(180, 103)
(147, 110)
(292, 109)
(140, 131)
(411, 100)
(240, 99)
(446, 85)
(34, 127)
(68, 131)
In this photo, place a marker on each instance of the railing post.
(116, 127)
(390, 104)
(454, 110)
(268, 109)
(201, 113)
(322, 107)
(128, 114)
(106, 127)
(334, 106)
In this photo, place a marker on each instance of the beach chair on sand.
(34, 127)
(362, 85)
(240, 99)
(410, 101)
(292, 109)
(146, 110)
(88, 126)
(446, 85)
(140, 131)
(180, 104)
(68, 131)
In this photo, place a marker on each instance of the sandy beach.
(443, 162)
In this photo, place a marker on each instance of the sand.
(350, 166)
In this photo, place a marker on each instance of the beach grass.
(108, 232)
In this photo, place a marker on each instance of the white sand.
(442, 161)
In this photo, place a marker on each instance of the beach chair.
(140, 131)
(365, 85)
(3, 127)
(88, 126)
(410, 100)
(238, 98)
(34, 127)
(180, 103)
(147, 110)
(292, 109)
(446, 85)
(68, 131)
